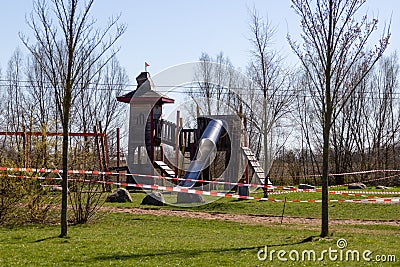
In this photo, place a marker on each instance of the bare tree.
(213, 79)
(113, 80)
(384, 121)
(304, 116)
(271, 80)
(15, 114)
(334, 54)
(68, 46)
(41, 102)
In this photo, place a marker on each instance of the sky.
(167, 33)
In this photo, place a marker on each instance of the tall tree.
(67, 47)
(41, 103)
(334, 53)
(270, 80)
(14, 104)
(384, 114)
(213, 77)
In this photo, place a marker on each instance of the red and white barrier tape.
(293, 190)
(228, 195)
(134, 175)
(345, 173)
(367, 181)
(366, 192)
(363, 172)
(31, 177)
(42, 170)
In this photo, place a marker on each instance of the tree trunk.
(325, 153)
(64, 183)
(265, 130)
(64, 199)
(325, 179)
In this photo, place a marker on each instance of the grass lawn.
(146, 240)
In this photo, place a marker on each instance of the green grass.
(145, 240)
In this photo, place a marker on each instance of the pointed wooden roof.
(145, 92)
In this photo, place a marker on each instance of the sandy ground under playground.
(252, 219)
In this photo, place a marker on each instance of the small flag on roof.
(146, 65)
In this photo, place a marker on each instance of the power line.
(194, 89)
(32, 82)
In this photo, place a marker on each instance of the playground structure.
(100, 144)
(211, 159)
(212, 151)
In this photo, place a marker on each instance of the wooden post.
(96, 138)
(24, 146)
(246, 145)
(177, 142)
(28, 137)
(283, 210)
(151, 138)
(118, 154)
(104, 157)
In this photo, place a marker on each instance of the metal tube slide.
(206, 149)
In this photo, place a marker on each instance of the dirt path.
(255, 219)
